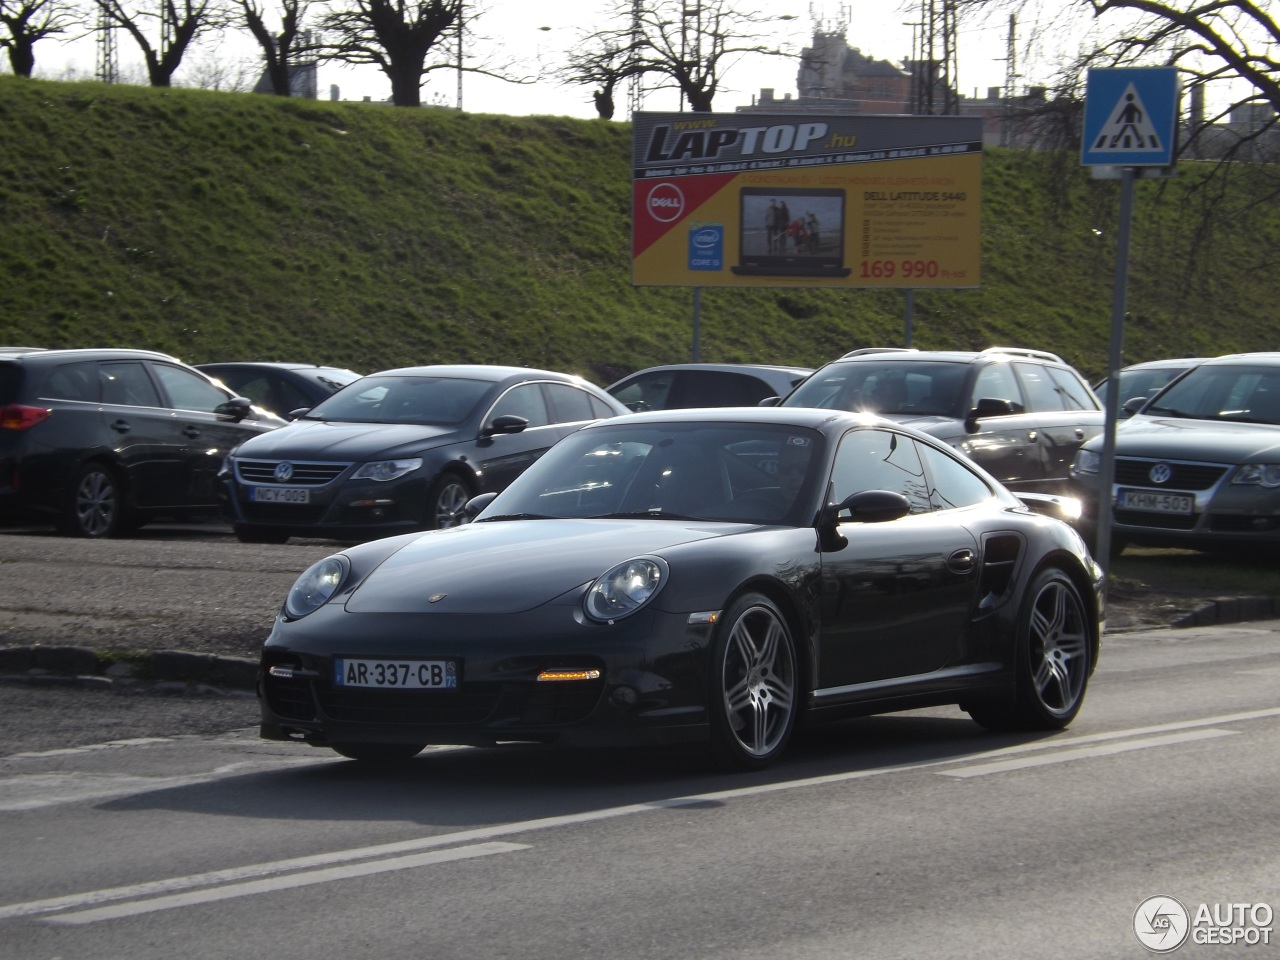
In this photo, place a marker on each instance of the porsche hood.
(508, 567)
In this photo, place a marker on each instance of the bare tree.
(604, 68)
(690, 43)
(25, 22)
(398, 36)
(165, 30)
(279, 50)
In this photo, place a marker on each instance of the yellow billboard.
(750, 199)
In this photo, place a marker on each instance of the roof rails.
(1025, 352)
(864, 350)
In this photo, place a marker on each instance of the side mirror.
(507, 423)
(295, 414)
(1132, 406)
(769, 402)
(471, 509)
(867, 506)
(235, 409)
(987, 407)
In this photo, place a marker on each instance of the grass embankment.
(232, 226)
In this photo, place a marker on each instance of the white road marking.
(1146, 737)
(283, 883)
(1066, 756)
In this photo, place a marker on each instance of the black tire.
(445, 500)
(379, 752)
(754, 684)
(95, 506)
(260, 535)
(1053, 659)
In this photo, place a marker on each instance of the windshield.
(1245, 393)
(919, 388)
(737, 472)
(439, 401)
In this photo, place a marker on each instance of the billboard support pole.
(911, 313)
(697, 324)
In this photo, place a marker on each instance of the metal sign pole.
(1106, 475)
(697, 324)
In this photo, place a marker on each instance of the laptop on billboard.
(791, 232)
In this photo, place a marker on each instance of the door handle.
(190, 432)
(1031, 435)
(961, 562)
(1079, 434)
(120, 426)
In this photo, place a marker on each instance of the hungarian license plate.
(1154, 501)
(279, 494)
(398, 674)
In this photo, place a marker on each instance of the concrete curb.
(166, 672)
(1231, 610)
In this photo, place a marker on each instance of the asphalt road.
(906, 836)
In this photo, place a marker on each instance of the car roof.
(812, 417)
(879, 355)
(1264, 357)
(481, 371)
(94, 353)
(1164, 364)
(272, 364)
(727, 367)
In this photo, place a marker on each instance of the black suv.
(1021, 414)
(100, 441)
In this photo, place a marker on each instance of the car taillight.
(17, 416)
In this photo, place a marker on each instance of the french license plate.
(399, 674)
(1153, 501)
(279, 495)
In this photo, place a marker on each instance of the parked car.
(712, 575)
(1144, 380)
(101, 441)
(680, 385)
(1198, 465)
(402, 450)
(283, 388)
(1020, 414)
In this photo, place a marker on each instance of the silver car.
(1198, 466)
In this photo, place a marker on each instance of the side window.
(127, 383)
(648, 392)
(1074, 391)
(257, 389)
(525, 401)
(718, 388)
(996, 381)
(72, 381)
(600, 409)
(879, 460)
(187, 390)
(952, 484)
(1041, 392)
(570, 404)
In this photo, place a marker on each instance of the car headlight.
(316, 586)
(1087, 461)
(387, 469)
(1258, 474)
(624, 589)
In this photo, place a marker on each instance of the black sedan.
(402, 450)
(286, 389)
(713, 576)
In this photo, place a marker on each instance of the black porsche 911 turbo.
(715, 576)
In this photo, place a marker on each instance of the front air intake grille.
(1183, 476)
(301, 473)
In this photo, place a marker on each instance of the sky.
(538, 33)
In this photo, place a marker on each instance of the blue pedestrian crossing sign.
(1130, 117)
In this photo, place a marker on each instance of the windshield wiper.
(644, 515)
(518, 516)
(1170, 412)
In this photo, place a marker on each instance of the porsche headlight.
(1258, 474)
(317, 584)
(387, 469)
(624, 589)
(1087, 461)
